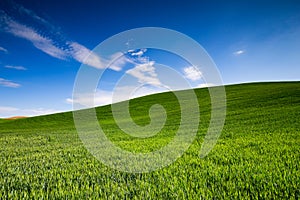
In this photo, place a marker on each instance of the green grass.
(3, 120)
(256, 157)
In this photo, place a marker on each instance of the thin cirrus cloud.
(56, 48)
(239, 52)
(3, 50)
(8, 83)
(88, 57)
(40, 42)
(84, 55)
(15, 67)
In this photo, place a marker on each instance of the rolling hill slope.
(257, 155)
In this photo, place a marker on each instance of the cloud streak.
(15, 67)
(3, 50)
(8, 83)
(84, 55)
(52, 44)
(239, 52)
(40, 42)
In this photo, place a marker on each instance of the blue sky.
(43, 43)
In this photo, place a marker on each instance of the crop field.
(256, 157)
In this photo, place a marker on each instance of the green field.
(256, 157)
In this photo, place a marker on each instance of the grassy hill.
(256, 157)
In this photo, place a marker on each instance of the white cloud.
(88, 57)
(74, 50)
(117, 61)
(204, 85)
(84, 55)
(192, 73)
(137, 56)
(69, 100)
(239, 52)
(138, 53)
(8, 83)
(56, 47)
(145, 73)
(44, 44)
(15, 67)
(11, 111)
(143, 59)
(3, 49)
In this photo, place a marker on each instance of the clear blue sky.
(41, 42)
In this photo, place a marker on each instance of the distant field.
(3, 120)
(256, 157)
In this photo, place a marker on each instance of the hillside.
(257, 155)
(15, 117)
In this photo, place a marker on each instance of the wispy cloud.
(239, 52)
(84, 55)
(42, 43)
(52, 44)
(88, 57)
(145, 73)
(49, 39)
(8, 83)
(192, 73)
(3, 50)
(117, 61)
(30, 13)
(15, 67)
(6, 111)
(74, 50)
